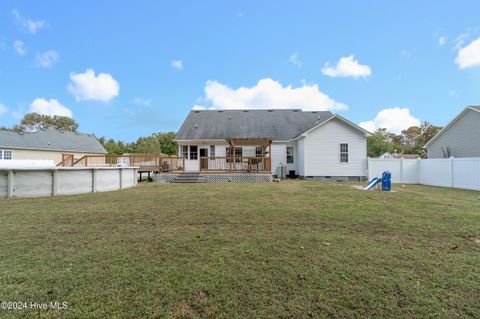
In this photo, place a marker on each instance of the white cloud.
(142, 102)
(454, 94)
(19, 47)
(88, 86)
(393, 119)
(460, 39)
(49, 107)
(469, 56)
(405, 54)
(266, 94)
(442, 41)
(347, 67)
(177, 64)
(32, 26)
(3, 109)
(46, 59)
(295, 60)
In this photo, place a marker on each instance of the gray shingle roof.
(51, 139)
(280, 125)
(476, 107)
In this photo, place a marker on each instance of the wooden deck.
(145, 162)
(172, 164)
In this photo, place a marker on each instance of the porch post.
(233, 150)
(270, 156)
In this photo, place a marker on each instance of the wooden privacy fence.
(146, 162)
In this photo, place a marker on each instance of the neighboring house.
(48, 144)
(309, 144)
(460, 138)
(386, 155)
(399, 156)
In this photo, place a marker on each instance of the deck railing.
(235, 164)
(146, 162)
(67, 160)
(165, 164)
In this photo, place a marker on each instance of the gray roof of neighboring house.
(280, 125)
(475, 107)
(51, 139)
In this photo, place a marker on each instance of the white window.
(259, 151)
(6, 154)
(343, 153)
(193, 152)
(184, 151)
(290, 159)
(212, 150)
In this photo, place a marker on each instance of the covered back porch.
(248, 155)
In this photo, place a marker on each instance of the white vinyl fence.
(446, 172)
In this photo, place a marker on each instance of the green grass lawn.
(297, 249)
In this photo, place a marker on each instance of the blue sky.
(124, 69)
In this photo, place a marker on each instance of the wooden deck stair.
(189, 177)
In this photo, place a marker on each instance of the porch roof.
(249, 141)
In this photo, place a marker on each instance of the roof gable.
(340, 118)
(475, 108)
(279, 125)
(452, 122)
(51, 139)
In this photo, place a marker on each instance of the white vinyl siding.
(212, 151)
(322, 150)
(248, 151)
(462, 138)
(279, 153)
(301, 156)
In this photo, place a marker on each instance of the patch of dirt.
(182, 310)
(200, 297)
(474, 239)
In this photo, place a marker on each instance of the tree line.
(155, 143)
(409, 141)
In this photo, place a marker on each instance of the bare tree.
(447, 151)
